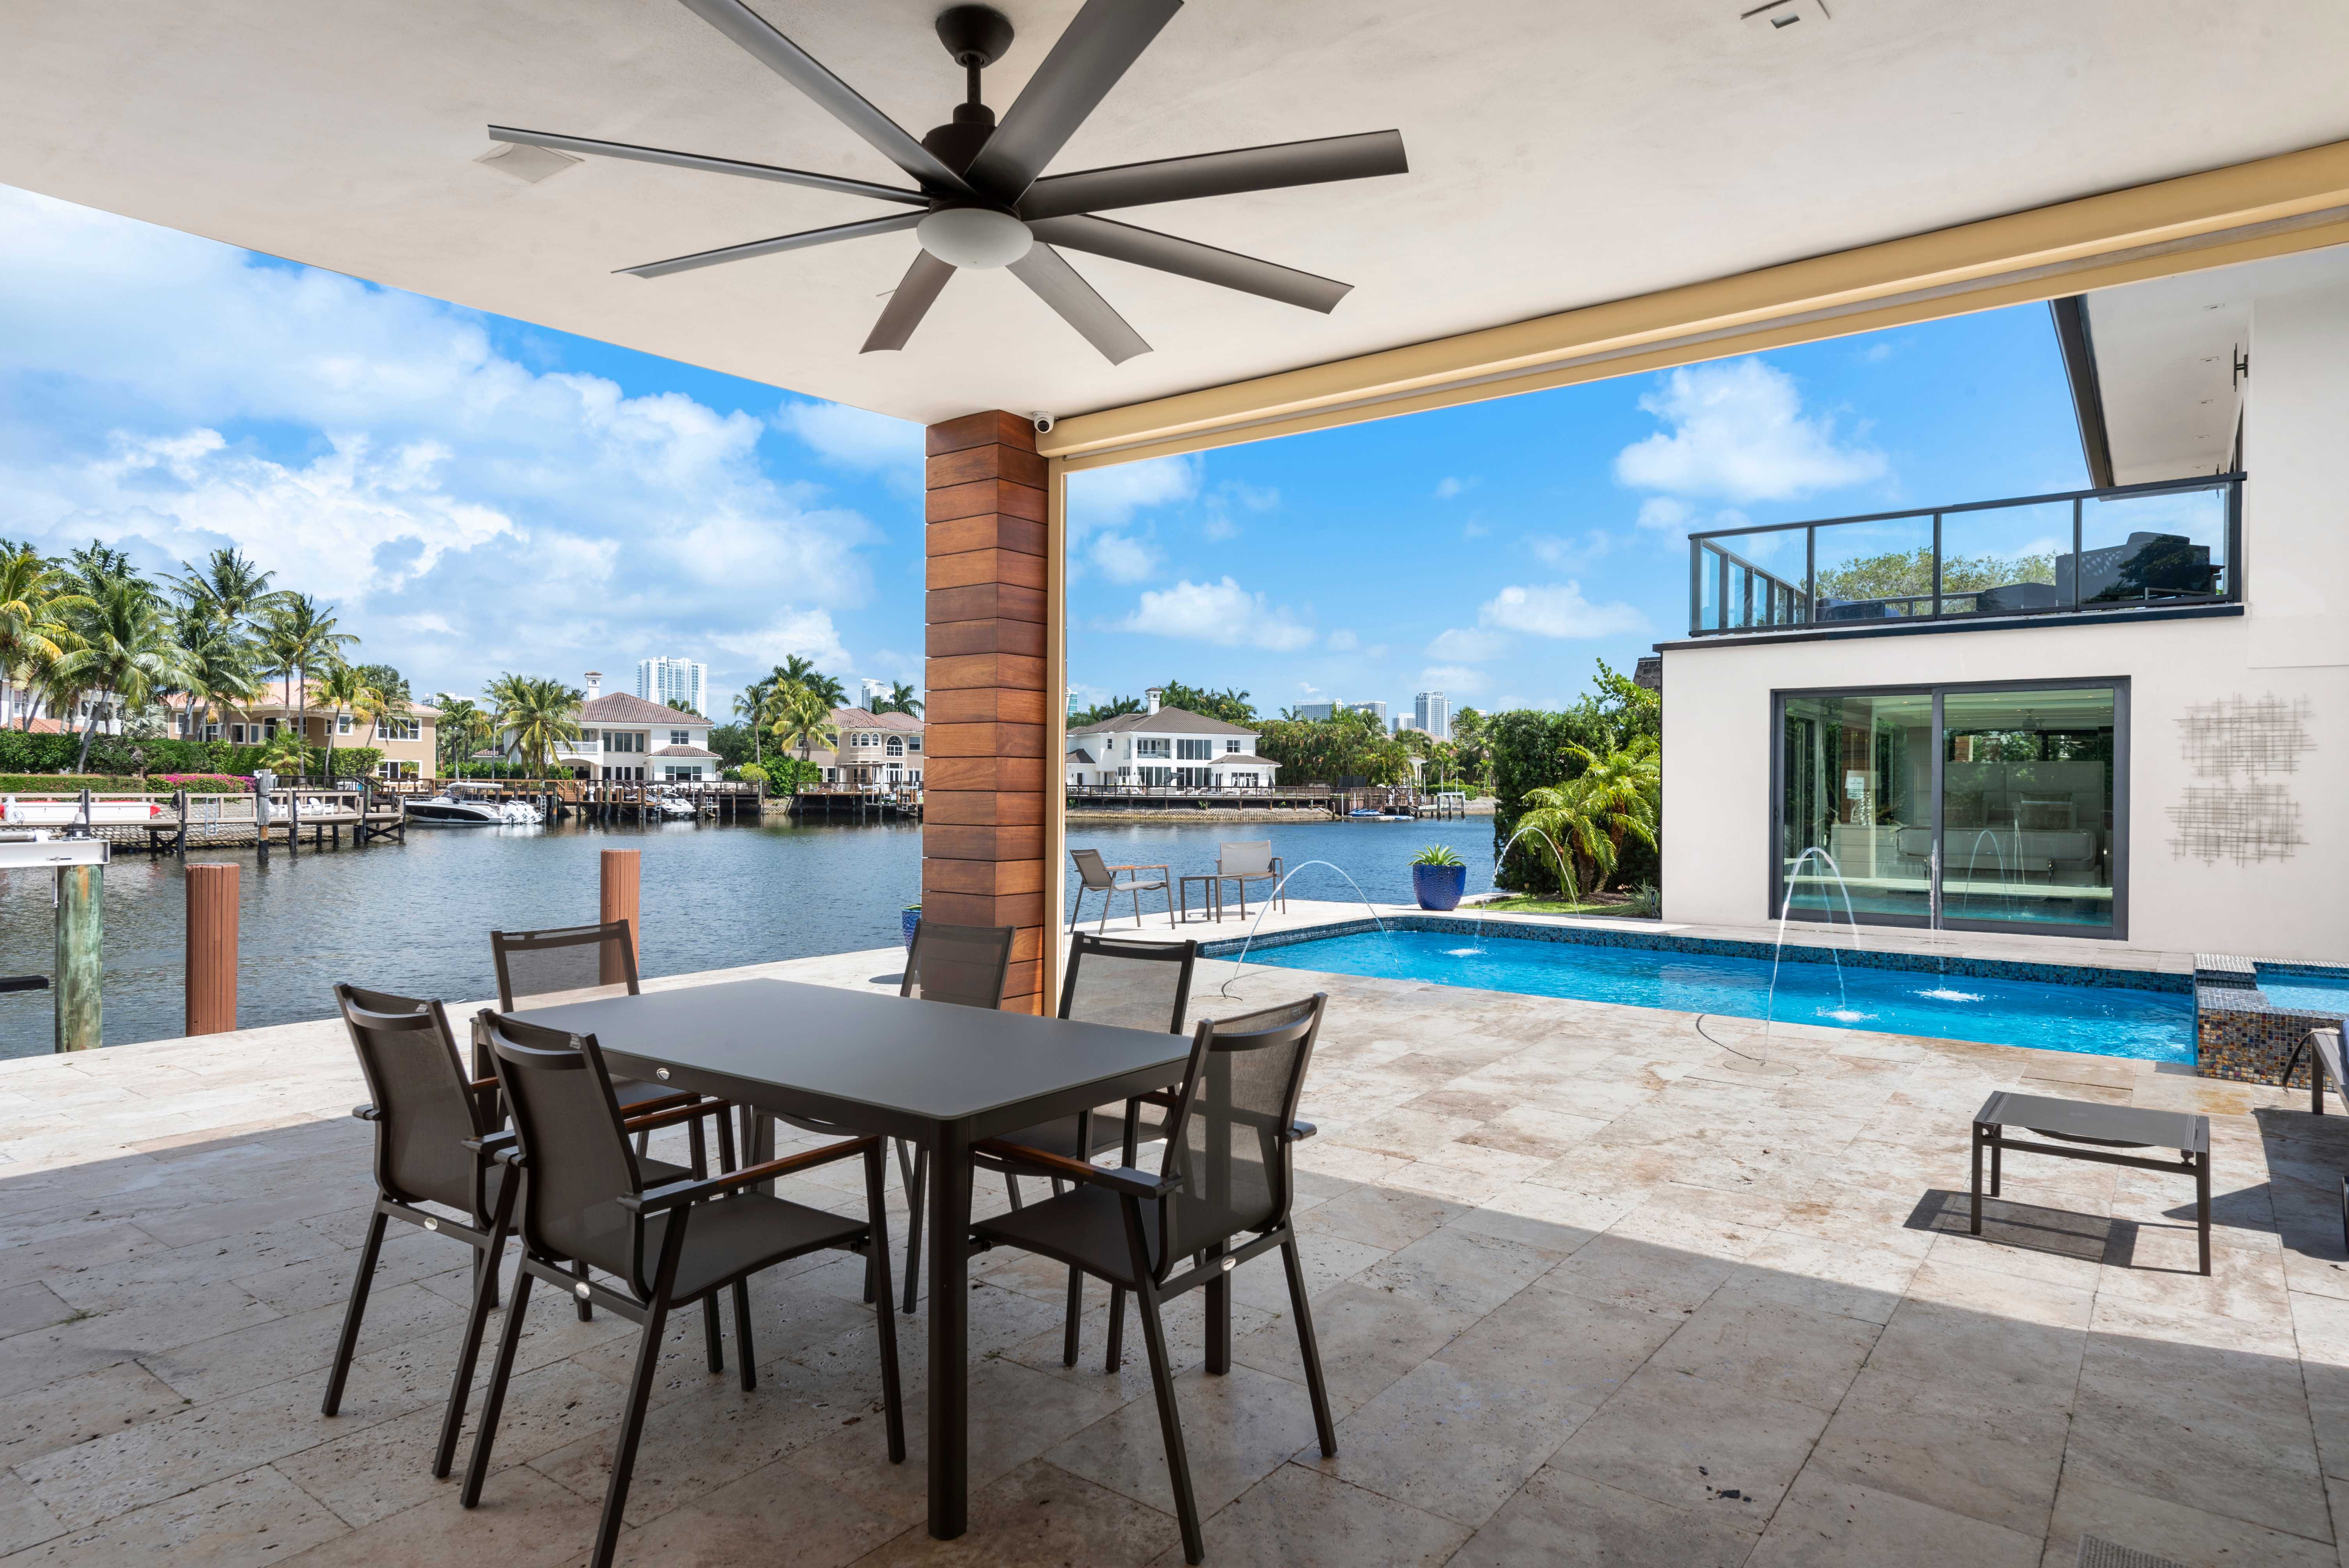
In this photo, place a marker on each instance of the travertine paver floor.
(1592, 1287)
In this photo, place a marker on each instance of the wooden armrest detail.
(673, 1115)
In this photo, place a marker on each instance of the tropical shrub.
(1580, 827)
(110, 755)
(1530, 750)
(1436, 855)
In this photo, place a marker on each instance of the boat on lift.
(455, 809)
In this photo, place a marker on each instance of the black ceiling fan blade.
(591, 147)
(916, 292)
(799, 241)
(1105, 39)
(758, 37)
(1359, 157)
(1046, 270)
(1190, 258)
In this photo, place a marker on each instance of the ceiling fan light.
(974, 237)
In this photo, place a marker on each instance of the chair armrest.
(1299, 1131)
(679, 1194)
(1159, 1097)
(1132, 1184)
(366, 1113)
(494, 1144)
(483, 1083)
(675, 1114)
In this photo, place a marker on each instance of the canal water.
(414, 918)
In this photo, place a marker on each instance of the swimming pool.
(2300, 990)
(2105, 1018)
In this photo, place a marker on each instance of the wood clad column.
(993, 581)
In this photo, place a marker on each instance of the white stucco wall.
(2292, 643)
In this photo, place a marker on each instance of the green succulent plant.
(1436, 855)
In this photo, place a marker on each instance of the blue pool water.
(2306, 993)
(2155, 1025)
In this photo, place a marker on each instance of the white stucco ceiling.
(2166, 355)
(1562, 154)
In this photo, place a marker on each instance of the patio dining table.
(942, 1076)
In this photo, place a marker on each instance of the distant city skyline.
(677, 681)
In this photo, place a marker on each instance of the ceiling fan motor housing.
(974, 236)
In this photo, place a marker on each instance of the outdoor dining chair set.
(1236, 865)
(544, 1139)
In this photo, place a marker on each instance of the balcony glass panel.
(2002, 561)
(1751, 580)
(1878, 570)
(2151, 549)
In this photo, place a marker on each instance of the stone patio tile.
(1680, 1440)
(289, 1346)
(23, 1521)
(1368, 1338)
(524, 1520)
(1539, 1131)
(1261, 1282)
(1380, 1217)
(1950, 1445)
(1568, 1350)
(1040, 1516)
(1793, 1270)
(161, 1322)
(1237, 1428)
(1455, 1443)
(1776, 1352)
(769, 1515)
(31, 1305)
(2183, 1534)
(252, 1518)
(1641, 1274)
(1186, 1323)
(1827, 1523)
(1461, 1270)
(1547, 1217)
(1302, 1518)
(76, 1409)
(1568, 1521)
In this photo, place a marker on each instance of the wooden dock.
(172, 822)
(838, 803)
(635, 801)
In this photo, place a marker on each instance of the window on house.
(624, 740)
(896, 746)
(1233, 745)
(1157, 778)
(914, 743)
(341, 724)
(1194, 778)
(1144, 748)
(236, 735)
(680, 738)
(399, 729)
(1195, 750)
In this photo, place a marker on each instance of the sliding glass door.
(1974, 807)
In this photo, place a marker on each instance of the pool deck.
(1592, 1287)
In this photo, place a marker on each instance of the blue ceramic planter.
(1439, 887)
(912, 917)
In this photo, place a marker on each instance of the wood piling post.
(620, 883)
(212, 890)
(179, 808)
(81, 939)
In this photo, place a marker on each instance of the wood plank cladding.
(985, 774)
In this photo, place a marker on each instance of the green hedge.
(109, 784)
(1529, 752)
(110, 755)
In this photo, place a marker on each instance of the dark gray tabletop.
(927, 1059)
(2125, 1124)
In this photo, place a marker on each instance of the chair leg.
(1076, 1306)
(884, 1316)
(1011, 1185)
(477, 1322)
(477, 1469)
(632, 1431)
(1116, 1356)
(742, 1336)
(1170, 1425)
(914, 1229)
(709, 1332)
(1219, 1318)
(357, 1310)
(1308, 1346)
(586, 1309)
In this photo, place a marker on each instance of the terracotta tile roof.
(861, 719)
(684, 751)
(619, 707)
(1168, 720)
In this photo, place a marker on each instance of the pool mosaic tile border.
(1589, 936)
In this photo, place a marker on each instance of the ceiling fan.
(979, 201)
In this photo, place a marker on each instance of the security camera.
(1044, 422)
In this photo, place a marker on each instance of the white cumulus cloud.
(1737, 430)
(1454, 680)
(1469, 643)
(1106, 497)
(854, 439)
(1122, 559)
(1224, 614)
(1558, 610)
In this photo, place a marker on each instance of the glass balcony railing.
(2134, 546)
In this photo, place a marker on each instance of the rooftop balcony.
(2131, 548)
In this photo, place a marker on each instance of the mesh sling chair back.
(1221, 1195)
(963, 965)
(437, 1139)
(1097, 875)
(586, 1198)
(1246, 862)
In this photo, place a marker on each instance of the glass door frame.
(1776, 899)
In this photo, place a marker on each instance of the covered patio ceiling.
(1560, 158)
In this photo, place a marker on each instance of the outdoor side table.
(1211, 895)
(2086, 1131)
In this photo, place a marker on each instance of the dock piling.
(211, 948)
(81, 938)
(620, 880)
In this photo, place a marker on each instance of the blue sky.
(480, 495)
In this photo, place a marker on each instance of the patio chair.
(963, 965)
(1096, 875)
(1226, 1175)
(435, 1139)
(1246, 862)
(666, 1242)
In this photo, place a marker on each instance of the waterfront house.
(408, 740)
(872, 751)
(2109, 714)
(627, 739)
(1165, 748)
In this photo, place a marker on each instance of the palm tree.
(1619, 796)
(300, 635)
(221, 670)
(901, 699)
(125, 647)
(460, 727)
(803, 715)
(228, 587)
(797, 671)
(535, 714)
(34, 607)
(342, 688)
(752, 704)
(381, 694)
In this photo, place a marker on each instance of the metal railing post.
(1937, 566)
(2077, 564)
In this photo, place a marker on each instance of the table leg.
(2203, 1206)
(949, 1375)
(1976, 1185)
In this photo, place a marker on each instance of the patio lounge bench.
(2086, 1131)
